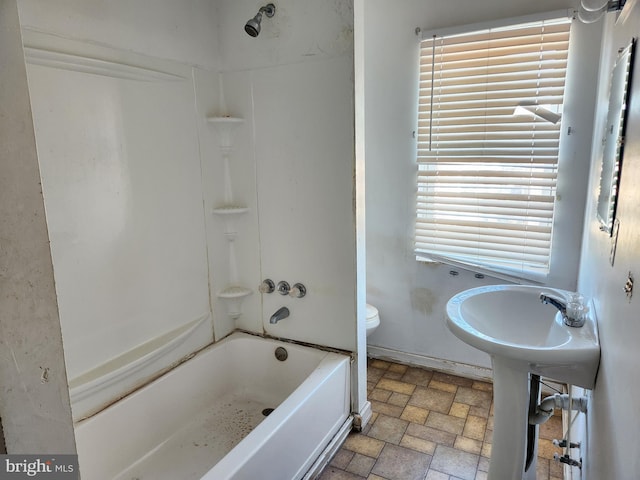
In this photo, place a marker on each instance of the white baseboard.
(366, 413)
(446, 366)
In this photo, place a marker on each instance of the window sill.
(514, 277)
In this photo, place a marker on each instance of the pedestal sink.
(523, 336)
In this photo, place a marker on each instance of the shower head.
(252, 27)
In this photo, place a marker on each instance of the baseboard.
(366, 413)
(447, 366)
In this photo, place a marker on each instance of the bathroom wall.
(132, 170)
(293, 165)
(184, 31)
(113, 94)
(411, 296)
(613, 423)
(293, 85)
(121, 174)
(35, 412)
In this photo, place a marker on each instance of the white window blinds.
(488, 147)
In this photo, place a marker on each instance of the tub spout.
(282, 312)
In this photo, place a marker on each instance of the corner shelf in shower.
(235, 291)
(225, 120)
(224, 126)
(230, 210)
(233, 294)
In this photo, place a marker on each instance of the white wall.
(613, 422)
(119, 151)
(132, 171)
(293, 157)
(121, 178)
(299, 32)
(293, 85)
(33, 384)
(120, 155)
(412, 296)
(184, 31)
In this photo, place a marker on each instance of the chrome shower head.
(252, 27)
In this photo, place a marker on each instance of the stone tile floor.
(429, 426)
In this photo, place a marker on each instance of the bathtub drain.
(267, 411)
(281, 354)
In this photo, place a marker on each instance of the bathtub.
(210, 417)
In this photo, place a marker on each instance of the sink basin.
(511, 322)
(523, 337)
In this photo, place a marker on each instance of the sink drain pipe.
(544, 410)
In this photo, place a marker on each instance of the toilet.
(373, 319)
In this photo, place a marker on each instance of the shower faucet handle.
(283, 287)
(298, 290)
(267, 286)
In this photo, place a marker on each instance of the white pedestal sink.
(523, 336)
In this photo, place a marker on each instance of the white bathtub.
(204, 420)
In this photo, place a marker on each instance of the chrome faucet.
(281, 313)
(570, 320)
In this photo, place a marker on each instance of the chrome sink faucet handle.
(576, 310)
(573, 313)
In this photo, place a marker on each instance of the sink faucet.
(569, 318)
(281, 313)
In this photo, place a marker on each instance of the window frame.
(558, 273)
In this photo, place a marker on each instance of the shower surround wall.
(293, 85)
(121, 174)
(119, 161)
(137, 251)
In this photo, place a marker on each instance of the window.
(489, 131)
